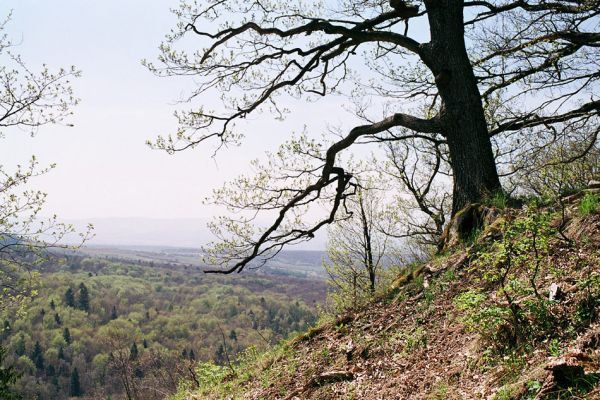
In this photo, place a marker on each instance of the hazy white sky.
(104, 169)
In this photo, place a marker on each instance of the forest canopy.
(134, 330)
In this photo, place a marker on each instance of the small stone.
(555, 292)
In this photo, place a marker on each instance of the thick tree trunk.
(462, 117)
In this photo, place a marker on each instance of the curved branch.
(342, 180)
(361, 31)
(530, 121)
(555, 6)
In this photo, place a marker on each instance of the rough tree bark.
(462, 118)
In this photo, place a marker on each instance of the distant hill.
(185, 232)
(292, 263)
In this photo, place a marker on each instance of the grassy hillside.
(512, 313)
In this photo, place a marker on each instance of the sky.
(105, 172)
(104, 169)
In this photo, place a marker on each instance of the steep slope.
(512, 314)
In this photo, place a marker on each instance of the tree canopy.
(29, 99)
(488, 85)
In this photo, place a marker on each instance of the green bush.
(210, 374)
(416, 340)
(505, 393)
(554, 348)
(589, 204)
(484, 320)
(500, 200)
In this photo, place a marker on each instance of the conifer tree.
(20, 348)
(37, 356)
(52, 304)
(192, 355)
(145, 343)
(84, 298)
(61, 353)
(57, 319)
(5, 332)
(133, 352)
(138, 372)
(70, 298)
(8, 377)
(220, 354)
(75, 385)
(113, 313)
(67, 335)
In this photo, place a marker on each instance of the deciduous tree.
(29, 99)
(357, 247)
(489, 82)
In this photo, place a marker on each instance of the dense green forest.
(101, 328)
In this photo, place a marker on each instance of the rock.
(593, 184)
(332, 376)
(565, 371)
(350, 350)
(494, 230)
(555, 293)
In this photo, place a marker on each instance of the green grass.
(554, 348)
(505, 393)
(440, 392)
(416, 340)
(589, 204)
(500, 200)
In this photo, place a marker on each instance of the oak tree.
(491, 83)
